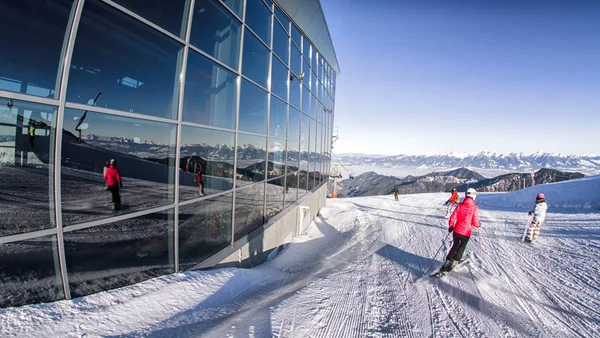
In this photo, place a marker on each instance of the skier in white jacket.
(539, 215)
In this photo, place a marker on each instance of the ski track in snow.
(358, 272)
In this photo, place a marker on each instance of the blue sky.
(425, 77)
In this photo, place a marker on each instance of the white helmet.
(471, 193)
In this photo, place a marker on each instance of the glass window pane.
(144, 156)
(255, 63)
(139, 78)
(296, 36)
(306, 100)
(216, 31)
(304, 155)
(274, 192)
(295, 92)
(304, 132)
(169, 15)
(293, 156)
(236, 6)
(279, 79)
(278, 118)
(208, 153)
(315, 107)
(34, 33)
(291, 187)
(29, 272)
(276, 157)
(249, 204)
(27, 136)
(281, 43)
(204, 229)
(282, 18)
(118, 254)
(305, 48)
(314, 63)
(307, 72)
(251, 156)
(294, 125)
(259, 18)
(253, 108)
(210, 93)
(296, 61)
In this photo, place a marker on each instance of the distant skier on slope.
(462, 221)
(113, 181)
(539, 215)
(396, 193)
(454, 199)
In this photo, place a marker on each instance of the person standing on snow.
(198, 179)
(462, 221)
(112, 176)
(396, 193)
(454, 199)
(539, 215)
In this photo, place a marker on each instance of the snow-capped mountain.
(588, 164)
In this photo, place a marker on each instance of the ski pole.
(479, 233)
(432, 260)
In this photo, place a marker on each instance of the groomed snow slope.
(357, 273)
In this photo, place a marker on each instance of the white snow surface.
(358, 272)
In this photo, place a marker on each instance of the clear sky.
(426, 77)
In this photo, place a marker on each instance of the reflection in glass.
(314, 108)
(314, 61)
(144, 156)
(305, 100)
(258, 17)
(249, 205)
(251, 157)
(26, 166)
(276, 155)
(304, 155)
(306, 48)
(294, 125)
(210, 93)
(307, 73)
(216, 31)
(236, 6)
(206, 165)
(255, 63)
(281, 43)
(31, 52)
(282, 18)
(304, 128)
(275, 192)
(313, 131)
(296, 36)
(253, 108)
(139, 78)
(204, 229)
(279, 79)
(291, 194)
(293, 156)
(29, 272)
(296, 61)
(169, 15)
(302, 182)
(118, 254)
(278, 118)
(295, 92)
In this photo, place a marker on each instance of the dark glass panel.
(278, 118)
(259, 18)
(306, 100)
(33, 32)
(208, 153)
(279, 79)
(275, 191)
(253, 108)
(291, 184)
(295, 92)
(281, 43)
(306, 48)
(144, 155)
(131, 64)
(170, 15)
(251, 157)
(255, 64)
(276, 164)
(204, 229)
(307, 73)
(29, 272)
(236, 6)
(210, 93)
(294, 124)
(117, 254)
(302, 182)
(296, 61)
(27, 136)
(282, 18)
(249, 205)
(216, 31)
(296, 36)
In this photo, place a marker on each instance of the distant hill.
(516, 181)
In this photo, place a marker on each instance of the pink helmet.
(540, 195)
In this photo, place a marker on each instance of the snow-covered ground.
(357, 272)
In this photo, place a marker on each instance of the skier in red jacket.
(454, 199)
(113, 181)
(462, 221)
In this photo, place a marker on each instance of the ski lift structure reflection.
(338, 168)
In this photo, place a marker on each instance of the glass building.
(143, 138)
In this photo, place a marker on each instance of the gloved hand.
(530, 213)
(446, 202)
(449, 229)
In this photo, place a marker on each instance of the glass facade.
(138, 139)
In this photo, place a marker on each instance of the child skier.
(454, 199)
(462, 221)
(539, 215)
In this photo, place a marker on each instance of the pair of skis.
(440, 273)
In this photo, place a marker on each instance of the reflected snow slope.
(357, 272)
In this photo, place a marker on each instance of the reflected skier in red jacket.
(113, 181)
(462, 221)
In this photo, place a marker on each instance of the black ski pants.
(116, 197)
(458, 247)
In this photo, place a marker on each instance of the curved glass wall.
(138, 140)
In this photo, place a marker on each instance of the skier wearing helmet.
(539, 215)
(454, 199)
(462, 221)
